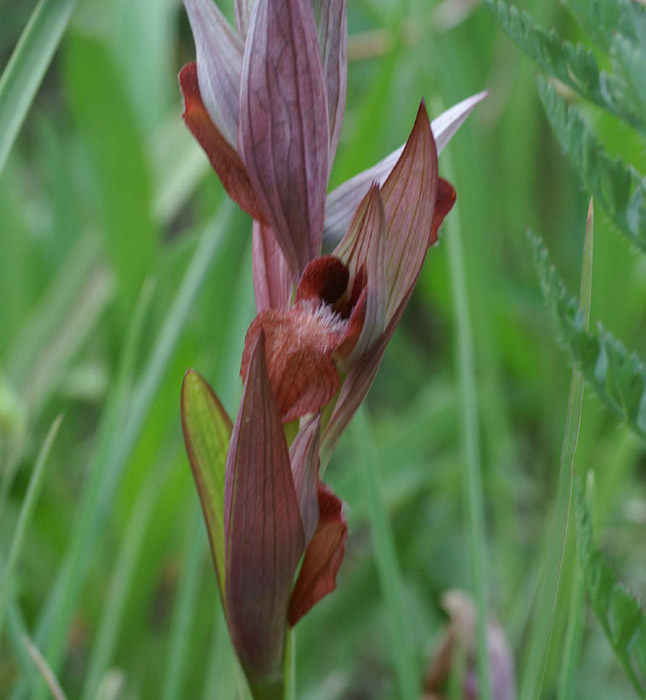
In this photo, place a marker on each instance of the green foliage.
(618, 187)
(621, 615)
(574, 65)
(24, 72)
(603, 20)
(207, 430)
(618, 376)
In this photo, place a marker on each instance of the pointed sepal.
(323, 556)
(283, 135)
(223, 157)
(272, 278)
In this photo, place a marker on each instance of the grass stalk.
(26, 511)
(545, 610)
(27, 66)
(472, 478)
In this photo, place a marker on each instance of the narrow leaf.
(621, 615)
(28, 63)
(283, 134)
(264, 534)
(207, 430)
(344, 200)
(545, 611)
(617, 376)
(619, 188)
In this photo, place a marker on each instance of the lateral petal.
(264, 534)
(300, 343)
(224, 159)
(283, 136)
(272, 278)
(323, 556)
(219, 65)
(242, 10)
(364, 248)
(444, 201)
(304, 456)
(409, 199)
(207, 430)
(344, 200)
(331, 16)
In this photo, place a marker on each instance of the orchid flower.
(266, 103)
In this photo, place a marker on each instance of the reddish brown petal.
(323, 556)
(355, 326)
(409, 199)
(444, 201)
(363, 248)
(300, 343)
(263, 529)
(272, 278)
(324, 279)
(225, 161)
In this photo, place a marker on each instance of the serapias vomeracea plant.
(266, 103)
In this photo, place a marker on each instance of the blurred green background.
(122, 264)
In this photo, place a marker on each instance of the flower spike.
(283, 131)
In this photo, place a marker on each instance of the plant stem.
(472, 479)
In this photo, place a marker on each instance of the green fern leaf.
(574, 65)
(602, 19)
(621, 615)
(617, 376)
(619, 188)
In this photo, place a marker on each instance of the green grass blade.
(573, 639)
(121, 580)
(545, 610)
(118, 441)
(27, 66)
(26, 511)
(390, 578)
(472, 477)
(185, 608)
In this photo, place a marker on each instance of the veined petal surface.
(264, 534)
(331, 17)
(304, 456)
(343, 201)
(283, 134)
(223, 157)
(409, 200)
(272, 278)
(219, 65)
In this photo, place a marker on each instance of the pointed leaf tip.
(264, 533)
(207, 430)
(283, 134)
